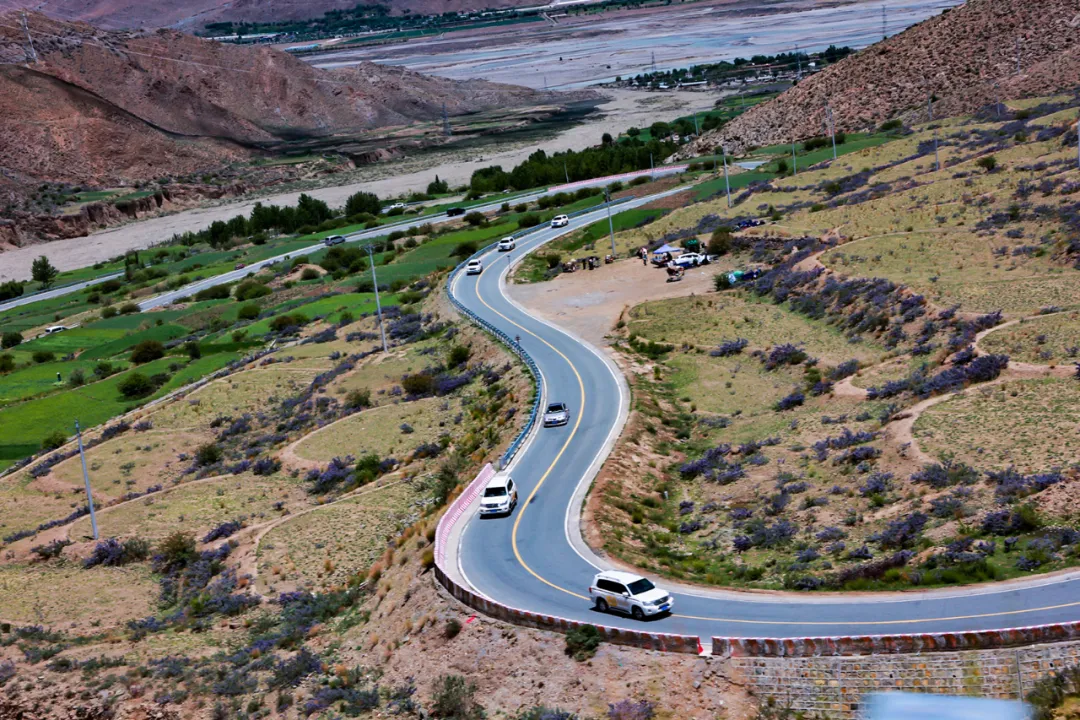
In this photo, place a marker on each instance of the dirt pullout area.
(590, 302)
(622, 110)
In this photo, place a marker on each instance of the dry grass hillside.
(966, 58)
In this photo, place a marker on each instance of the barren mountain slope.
(190, 14)
(965, 58)
(102, 107)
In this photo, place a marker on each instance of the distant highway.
(234, 275)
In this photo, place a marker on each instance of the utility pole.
(997, 99)
(832, 128)
(445, 121)
(884, 23)
(375, 283)
(794, 160)
(566, 172)
(611, 225)
(798, 61)
(727, 183)
(930, 113)
(651, 169)
(33, 54)
(86, 481)
(697, 127)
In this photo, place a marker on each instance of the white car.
(630, 594)
(333, 240)
(556, 414)
(395, 206)
(500, 496)
(475, 267)
(689, 260)
(560, 221)
(507, 244)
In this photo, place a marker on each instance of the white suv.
(500, 496)
(629, 593)
(560, 221)
(475, 267)
(507, 244)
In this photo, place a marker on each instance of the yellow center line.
(573, 432)
(569, 439)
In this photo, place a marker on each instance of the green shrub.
(43, 356)
(309, 274)
(582, 642)
(250, 290)
(176, 550)
(553, 260)
(283, 322)
(77, 378)
(11, 339)
(207, 454)
(147, 351)
(7, 363)
(53, 440)
(136, 385)
(217, 292)
(521, 207)
(529, 220)
(453, 627)
(465, 249)
(104, 369)
(107, 312)
(891, 125)
(720, 241)
(129, 308)
(248, 312)
(193, 350)
(988, 163)
(359, 398)
(453, 699)
(459, 355)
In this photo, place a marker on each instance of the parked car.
(454, 211)
(560, 221)
(507, 244)
(334, 240)
(475, 267)
(395, 206)
(628, 593)
(500, 496)
(239, 266)
(689, 260)
(556, 414)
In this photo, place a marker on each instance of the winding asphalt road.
(535, 559)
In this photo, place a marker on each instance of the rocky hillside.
(101, 107)
(965, 58)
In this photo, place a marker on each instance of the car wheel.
(637, 613)
(601, 605)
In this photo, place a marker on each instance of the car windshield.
(495, 492)
(556, 407)
(640, 586)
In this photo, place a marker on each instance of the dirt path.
(590, 302)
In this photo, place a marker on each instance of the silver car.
(556, 414)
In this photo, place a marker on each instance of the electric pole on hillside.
(610, 224)
(86, 481)
(566, 172)
(794, 160)
(832, 127)
(727, 183)
(33, 55)
(930, 113)
(798, 64)
(884, 23)
(445, 121)
(375, 284)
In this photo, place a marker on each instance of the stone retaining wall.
(832, 687)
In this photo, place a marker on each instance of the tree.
(606, 139)
(720, 242)
(135, 385)
(10, 339)
(193, 350)
(476, 218)
(43, 271)
(53, 440)
(365, 202)
(10, 289)
(633, 132)
(438, 187)
(146, 351)
(453, 699)
(463, 250)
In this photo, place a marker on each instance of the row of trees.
(608, 158)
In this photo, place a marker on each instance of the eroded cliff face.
(965, 58)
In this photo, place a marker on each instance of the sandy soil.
(589, 302)
(624, 109)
